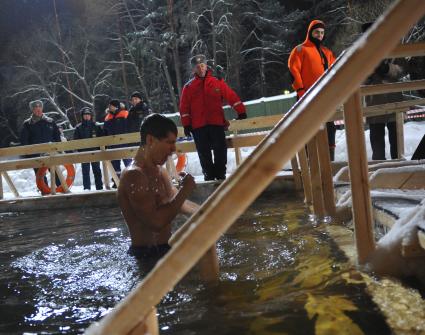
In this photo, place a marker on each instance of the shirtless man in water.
(148, 200)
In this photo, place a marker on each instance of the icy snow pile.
(387, 258)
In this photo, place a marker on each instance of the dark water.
(280, 274)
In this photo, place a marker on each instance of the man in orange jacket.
(307, 62)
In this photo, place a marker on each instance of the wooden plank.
(296, 173)
(392, 87)
(105, 172)
(238, 191)
(62, 180)
(10, 184)
(1, 186)
(113, 173)
(305, 175)
(316, 180)
(208, 266)
(112, 154)
(326, 172)
(149, 326)
(360, 191)
(408, 50)
(238, 157)
(255, 122)
(400, 134)
(52, 180)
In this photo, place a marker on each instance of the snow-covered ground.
(24, 180)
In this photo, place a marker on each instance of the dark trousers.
(117, 165)
(331, 130)
(85, 167)
(377, 140)
(211, 138)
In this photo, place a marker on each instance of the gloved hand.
(188, 131)
(300, 93)
(241, 116)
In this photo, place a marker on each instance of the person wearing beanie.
(386, 72)
(307, 62)
(202, 115)
(138, 111)
(89, 129)
(39, 128)
(116, 123)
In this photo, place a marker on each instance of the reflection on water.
(280, 274)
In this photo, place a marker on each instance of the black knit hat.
(115, 103)
(137, 94)
(86, 111)
(318, 25)
(198, 59)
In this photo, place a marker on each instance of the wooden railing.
(137, 313)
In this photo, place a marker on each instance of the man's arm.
(233, 99)
(188, 207)
(294, 65)
(143, 202)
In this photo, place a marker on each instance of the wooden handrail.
(392, 87)
(112, 154)
(237, 192)
(408, 50)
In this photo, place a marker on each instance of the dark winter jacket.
(87, 129)
(136, 114)
(201, 102)
(386, 72)
(41, 131)
(116, 124)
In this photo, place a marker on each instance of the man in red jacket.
(307, 62)
(201, 112)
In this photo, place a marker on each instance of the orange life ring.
(45, 189)
(181, 162)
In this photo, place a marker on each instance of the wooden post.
(208, 266)
(400, 134)
(326, 172)
(316, 179)
(115, 177)
(1, 186)
(238, 155)
(62, 180)
(305, 175)
(105, 172)
(360, 191)
(52, 180)
(10, 183)
(296, 173)
(148, 326)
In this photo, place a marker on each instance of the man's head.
(158, 134)
(86, 113)
(199, 65)
(36, 107)
(136, 98)
(316, 31)
(114, 106)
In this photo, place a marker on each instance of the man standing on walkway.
(307, 62)
(138, 111)
(88, 129)
(39, 128)
(201, 112)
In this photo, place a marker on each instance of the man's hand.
(187, 182)
(300, 93)
(242, 116)
(188, 131)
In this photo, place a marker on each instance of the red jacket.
(201, 102)
(306, 64)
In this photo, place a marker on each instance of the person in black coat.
(137, 113)
(39, 128)
(88, 129)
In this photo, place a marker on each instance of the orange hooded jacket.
(306, 64)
